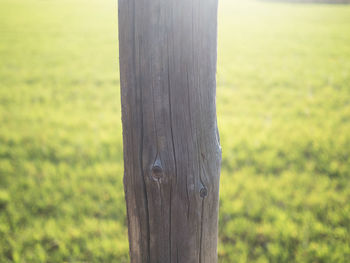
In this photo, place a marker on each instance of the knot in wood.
(203, 192)
(157, 172)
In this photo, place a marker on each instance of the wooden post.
(171, 144)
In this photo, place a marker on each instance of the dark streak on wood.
(171, 143)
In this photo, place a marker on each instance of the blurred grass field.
(283, 101)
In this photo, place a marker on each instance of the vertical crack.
(171, 188)
(191, 128)
(173, 144)
(143, 179)
(170, 112)
(139, 88)
(172, 134)
(201, 235)
(153, 106)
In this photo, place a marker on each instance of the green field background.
(283, 99)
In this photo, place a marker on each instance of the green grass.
(283, 102)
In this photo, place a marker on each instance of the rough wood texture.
(171, 144)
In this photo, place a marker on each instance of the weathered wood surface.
(171, 144)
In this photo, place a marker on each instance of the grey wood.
(171, 143)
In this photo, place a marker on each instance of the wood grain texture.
(172, 152)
